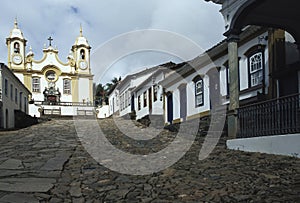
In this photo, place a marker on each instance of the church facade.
(52, 81)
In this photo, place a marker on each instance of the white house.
(278, 112)
(148, 96)
(189, 89)
(54, 83)
(113, 101)
(14, 96)
(125, 87)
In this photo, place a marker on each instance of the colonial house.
(113, 101)
(126, 97)
(57, 87)
(130, 82)
(278, 114)
(189, 90)
(149, 94)
(14, 97)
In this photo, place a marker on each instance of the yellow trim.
(51, 67)
(40, 61)
(178, 120)
(74, 89)
(28, 81)
(199, 115)
(60, 62)
(91, 90)
(8, 54)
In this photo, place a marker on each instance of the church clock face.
(83, 64)
(17, 59)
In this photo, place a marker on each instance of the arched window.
(16, 48)
(256, 69)
(82, 54)
(199, 91)
(256, 63)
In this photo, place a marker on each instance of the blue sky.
(102, 21)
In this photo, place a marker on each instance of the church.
(56, 87)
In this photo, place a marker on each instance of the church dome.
(81, 40)
(16, 32)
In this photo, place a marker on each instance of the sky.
(106, 23)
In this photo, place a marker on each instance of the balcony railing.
(64, 103)
(273, 117)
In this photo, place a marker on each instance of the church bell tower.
(81, 50)
(16, 45)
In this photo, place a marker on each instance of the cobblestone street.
(47, 163)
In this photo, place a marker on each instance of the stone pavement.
(47, 163)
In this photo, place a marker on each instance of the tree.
(100, 94)
(102, 90)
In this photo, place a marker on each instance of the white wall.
(83, 88)
(113, 102)
(9, 103)
(279, 144)
(103, 111)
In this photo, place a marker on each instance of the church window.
(16, 48)
(67, 86)
(82, 54)
(256, 69)
(50, 75)
(199, 91)
(36, 84)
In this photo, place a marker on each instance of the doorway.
(170, 107)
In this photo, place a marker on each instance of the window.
(227, 80)
(25, 104)
(82, 54)
(36, 84)
(5, 87)
(67, 86)
(139, 102)
(256, 69)
(129, 98)
(199, 91)
(125, 98)
(51, 76)
(145, 99)
(155, 92)
(16, 48)
(20, 104)
(11, 92)
(16, 95)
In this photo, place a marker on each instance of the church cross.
(50, 39)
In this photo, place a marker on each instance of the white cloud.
(102, 20)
